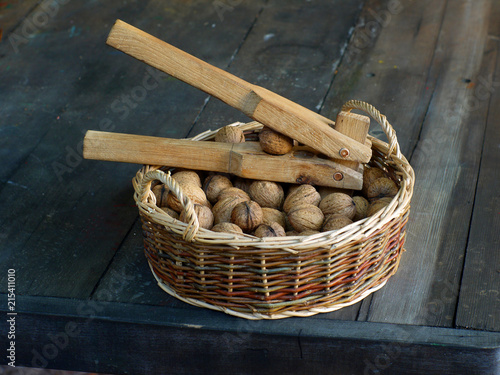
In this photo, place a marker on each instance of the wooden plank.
(12, 14)
(129, 277)
(446, 160)
(116, 338)
(64, 218)
(479, 300)
(280, 56)
(376, 69)
(117, 89)
(256, 102)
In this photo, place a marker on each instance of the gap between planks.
(228, 65)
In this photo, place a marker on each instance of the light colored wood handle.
(300, 166)
(354, 126)
(241, 159)
(138, 149)
(256, 102)
(179, 64)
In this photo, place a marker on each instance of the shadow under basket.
(274, 278)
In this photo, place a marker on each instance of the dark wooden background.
(70, 229)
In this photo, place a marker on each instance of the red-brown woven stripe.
(277, 278)
(241, 278)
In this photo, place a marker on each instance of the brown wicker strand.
(274, 278)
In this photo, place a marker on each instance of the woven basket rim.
(357, 231)
(283, 277)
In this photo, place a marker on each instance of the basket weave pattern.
(274, 278)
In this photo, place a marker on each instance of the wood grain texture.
(259, 104)
(479, 300)
(266, 58)
(446, 162)
(292, 50)
(76, 213)
(141, 149)
(354, 126)
(397, 81)
(227, 345)
(129, 277)
(300, 165)
(71, 238)
(401, 88)
(16, 20)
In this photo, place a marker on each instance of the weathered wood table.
(84, 296)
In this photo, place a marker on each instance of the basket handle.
(188, 206)
(381, 119)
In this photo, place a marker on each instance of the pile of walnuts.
(226, 203)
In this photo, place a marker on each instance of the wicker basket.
(275, 278)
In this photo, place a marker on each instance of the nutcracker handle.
(245, 159)
(256, 102)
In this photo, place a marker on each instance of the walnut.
(267, 194)
(195, 194)
(243, 184)
(273, 230)
(361, 207)
(223, 208)
(301, 195)
(230, 134)
(292, 188)
(233, 192)
(170, 212)
(382, 187)
(305, 216)
(273, 142)
(334, 222)
(161, 192)
(288, 226)
(247, 215)
(338, 203)
(292, 233)
(227, 228)
(370, 174)
(327, 190)
(378, 205)
(187, 177)
(214, 184)
(204, 214)
(272, 215)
